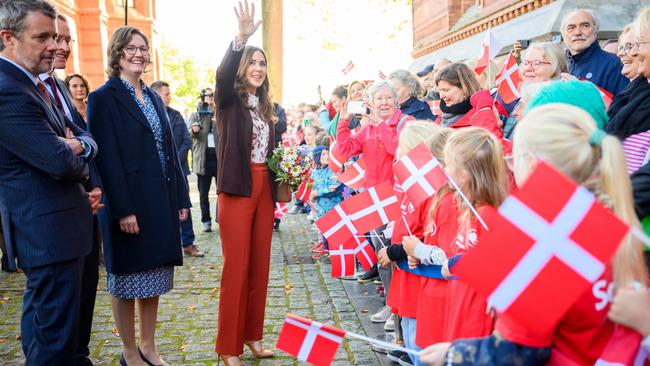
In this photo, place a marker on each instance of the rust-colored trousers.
(246, 228)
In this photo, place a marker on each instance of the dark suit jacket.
(134, 182)
(235, 130)
(181, 137)
(46, 216)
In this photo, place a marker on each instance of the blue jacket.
(45, 212)
(134, 182)
(599, 67)
(181, 137)
(324, 180)
(417, 109)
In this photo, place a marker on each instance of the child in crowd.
(326, 193)
(581, 334)
(474, 160)
(403, 298)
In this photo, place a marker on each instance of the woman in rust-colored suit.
(246, 190)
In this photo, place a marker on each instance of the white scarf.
(252, 101)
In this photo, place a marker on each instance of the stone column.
(272, 29)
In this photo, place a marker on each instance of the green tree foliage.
(185, 77)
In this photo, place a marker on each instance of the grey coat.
(200, 139)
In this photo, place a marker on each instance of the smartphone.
(524, 43)
(357, 107)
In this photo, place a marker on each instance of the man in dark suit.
(183, 145)
(45, 210)
(60, 95)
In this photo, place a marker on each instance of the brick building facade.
(92, 22)
(455, 28)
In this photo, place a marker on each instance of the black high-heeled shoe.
(123, 361)
(147, 361)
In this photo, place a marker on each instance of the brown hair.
(115, 52)
(83, 80)
(265, 107)
(460, 76)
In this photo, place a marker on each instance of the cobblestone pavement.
(187, 319)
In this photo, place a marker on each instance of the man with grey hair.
(585, 59)
(46, 214)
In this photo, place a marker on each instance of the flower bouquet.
(291, 165)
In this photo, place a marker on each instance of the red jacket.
(481, 115)
(377, 143)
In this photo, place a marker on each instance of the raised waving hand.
(246, 19)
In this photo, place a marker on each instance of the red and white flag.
(489, 50)
(348, 67)
(354, 175)
(542, 239)
(623, 349)
(382, 76)
(419, 174)
(607, 96)
(342, 258)
(336, 225)
(375, 207)
(364, 252)
(336, 159)
(281, 209)
(304, 190)
(508, 81)
(309, 341)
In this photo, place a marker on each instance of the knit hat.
(316, 152)
(582, 94)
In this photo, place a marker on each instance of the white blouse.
(261, 131)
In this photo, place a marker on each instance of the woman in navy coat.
(144, 190)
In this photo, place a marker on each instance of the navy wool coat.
(134, 182)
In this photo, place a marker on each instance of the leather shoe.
(229, 360)
(192, 251)
(258, 350)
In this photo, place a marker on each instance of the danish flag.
(419, 174)
(343, 260)
(309, 341)
(364, 252)
(348, 67)
(623, 349)
(541, 239)
(607, 96)
(353, 176)
(281, 209)
(508, 81)
(489, 51)
(375, 207)
(336, 225)
(304, 190)
(382, 76)
(336, 159)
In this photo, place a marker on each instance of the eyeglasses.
(626, 48)
(639, 43)
(68, 41)
(534, 63)
(208, 95)
(131, 50)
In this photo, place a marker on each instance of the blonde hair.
(480, 155)
(628, 28)
(556, 131)
(436, 143)
(553, 53)
(415, 133)
(642, 23)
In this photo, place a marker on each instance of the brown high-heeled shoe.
(229, 360)
(258, 350)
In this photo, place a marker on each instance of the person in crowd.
(310, 133)
(403, 296)
(145, 193)
(462, 102)
(204, 153)
(329, 120)
(60, 94)
(425, 72)
(281, 125)
(627, 52)
(79, 90)
(379, 139)
(540, 62)
(183, 144)
(433, 97)
(246, 190)
(44, 160)
(325, 194)
(580, 336)
(585, 59)
(611, 46)
(356, 93)
(408, 90)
